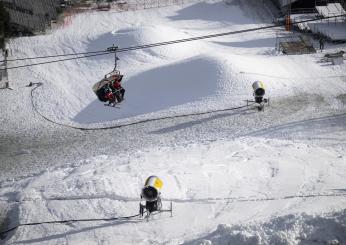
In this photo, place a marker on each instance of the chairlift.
(109, 89)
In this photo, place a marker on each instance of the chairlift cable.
(98, 53)
(219, 34)
(53, 56)
(56, 61)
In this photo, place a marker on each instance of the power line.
(97, 53)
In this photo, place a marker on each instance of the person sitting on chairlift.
(118, 90)
(109, 96)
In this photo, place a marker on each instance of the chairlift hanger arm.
(113, 49)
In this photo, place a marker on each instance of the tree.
(4, 25)
(4, 21)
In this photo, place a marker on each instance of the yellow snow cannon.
(151, 194)
(259, 90)
(258, 93)
(152, 189)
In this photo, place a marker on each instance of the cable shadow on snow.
(256, 43)
(314, 128)
(340, 190)
(190, 124)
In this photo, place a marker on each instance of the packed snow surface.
(221, 182)
(233, 177)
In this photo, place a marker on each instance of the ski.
(117, 107)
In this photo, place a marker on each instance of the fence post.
(5, 64)
(4, 76)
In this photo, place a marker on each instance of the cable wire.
(130, 123)
(2, 233)
(98, 53)
(54, 56)
(67, 221)
(55, 61)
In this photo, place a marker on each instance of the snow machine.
(259, 92)
(151, 195)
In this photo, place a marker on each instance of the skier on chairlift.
(109, 89)
(117, 89)
(109, 95)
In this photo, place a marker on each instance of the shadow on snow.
(158, 89)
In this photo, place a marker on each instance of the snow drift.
(290, 229)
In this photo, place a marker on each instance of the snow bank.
(290, 229)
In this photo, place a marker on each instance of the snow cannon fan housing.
(259, 91)
(152, 188)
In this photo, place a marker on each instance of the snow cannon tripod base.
(259, 103)
(150, 208)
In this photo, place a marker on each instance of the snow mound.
(289, 229)
(141, 35)
(189, 82)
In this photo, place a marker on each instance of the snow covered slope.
(247, 180)
(192, 74)
(282, 181)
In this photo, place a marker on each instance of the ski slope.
(233, 182)
(234, 177)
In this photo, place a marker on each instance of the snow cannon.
(151, 195)
(152, 188)
(258, 93)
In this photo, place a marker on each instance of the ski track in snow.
(236, 177)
